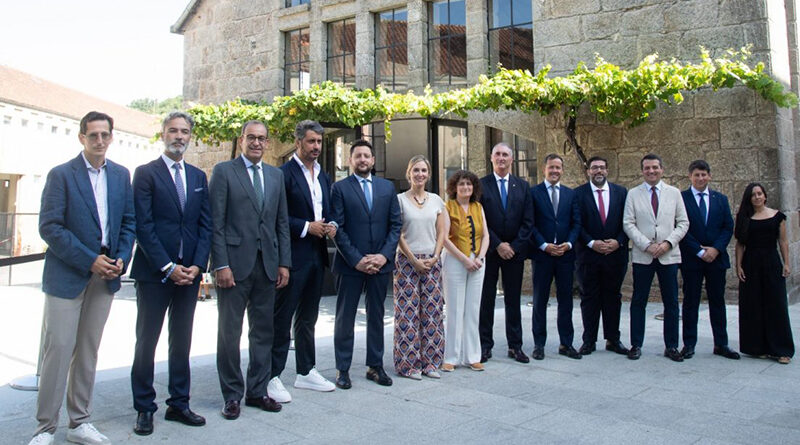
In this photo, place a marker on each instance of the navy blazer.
(593, 229)
(70, 225)
(161, 224)
(549, 228)
(301, 210)
(362, 231)
(716, 232)
(514, 223)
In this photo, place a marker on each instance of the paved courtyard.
(603, 398)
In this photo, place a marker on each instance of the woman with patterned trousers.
(466, 246)
(418, 324)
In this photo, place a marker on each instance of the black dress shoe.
(538, 353)
(673, 354)
(726, 352)
(486, 354)
(266, 403)
(569, 351)
(635, 353)
(587, 348)
(687, 352)
(184, 416)
(343, 380)
(616, 346)
(378, 375)
(518, 355)
(231, 410)
(144, 423)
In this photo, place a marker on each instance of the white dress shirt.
(98, 177)
(248, 165)
(697, 198)
(606, 198)
(497, 179)
(316, 190)
(171, 170)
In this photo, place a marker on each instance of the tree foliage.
(155, 106)
(614, 94)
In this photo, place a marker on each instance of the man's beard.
(176, 149)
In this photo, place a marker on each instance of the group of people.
(266, 231)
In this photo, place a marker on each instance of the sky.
(117, 50)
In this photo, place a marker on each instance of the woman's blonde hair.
(414, 160)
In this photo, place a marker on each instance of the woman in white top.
(418, 303)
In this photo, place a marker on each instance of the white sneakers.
(314, 381)
(277, 391)
(87, 434)
(41, 439)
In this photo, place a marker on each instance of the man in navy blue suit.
(173, 229)
(704, 251)
(308, 203)
(602, 256)
(367, 212)
(87, 221)
(555, 232)
(509, 217)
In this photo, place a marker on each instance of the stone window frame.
(390, 46)
(346, 57)
(293, 3)
(449, 38)
(289, 64)
(496, 30)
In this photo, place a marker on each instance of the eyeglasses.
(261, 139)
(93, 137)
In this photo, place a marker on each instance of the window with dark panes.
(290, 3)
(342, 52)
(510, 34)
(447, 43)
(391, 49)
(296, 68)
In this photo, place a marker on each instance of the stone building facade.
(237, 48)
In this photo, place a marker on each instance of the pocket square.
(199, 189)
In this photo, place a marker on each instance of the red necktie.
(654, 200)
(602, 206)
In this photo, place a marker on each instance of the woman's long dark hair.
(746, 211)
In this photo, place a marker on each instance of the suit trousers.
(668, 284)
(599, 286)
(72, 332)
(299, 300)
(544, 271)
(153, 301)
(350, 288)
(512, 287)
(715, 289)
(462, 294)
(256, 295)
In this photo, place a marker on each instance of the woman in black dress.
(764, 328)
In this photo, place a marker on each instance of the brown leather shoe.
(265, 403)
(231, 410)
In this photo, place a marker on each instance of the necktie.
(367, 193)
(602, 206)
(703, 208)
(503, 193)
(179, 185)
(654, 200)
(554, 198)
(257, 186)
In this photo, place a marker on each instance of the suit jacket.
(512, 224)
(563, 227)
(715, 232)
(643, 228)
(240, 230)
(161, 224)
(593, 229)
(301, 210)
(362, 231)
(70, 225)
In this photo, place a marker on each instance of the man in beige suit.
(655, 220)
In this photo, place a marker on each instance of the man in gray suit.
(251, 256)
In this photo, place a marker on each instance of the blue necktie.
(503, 193)
(703, 209)
(367, 194)
(179, 185)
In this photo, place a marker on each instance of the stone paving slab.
(602, 399)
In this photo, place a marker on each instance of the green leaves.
(615, 95)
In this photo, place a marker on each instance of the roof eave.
(188, 12)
